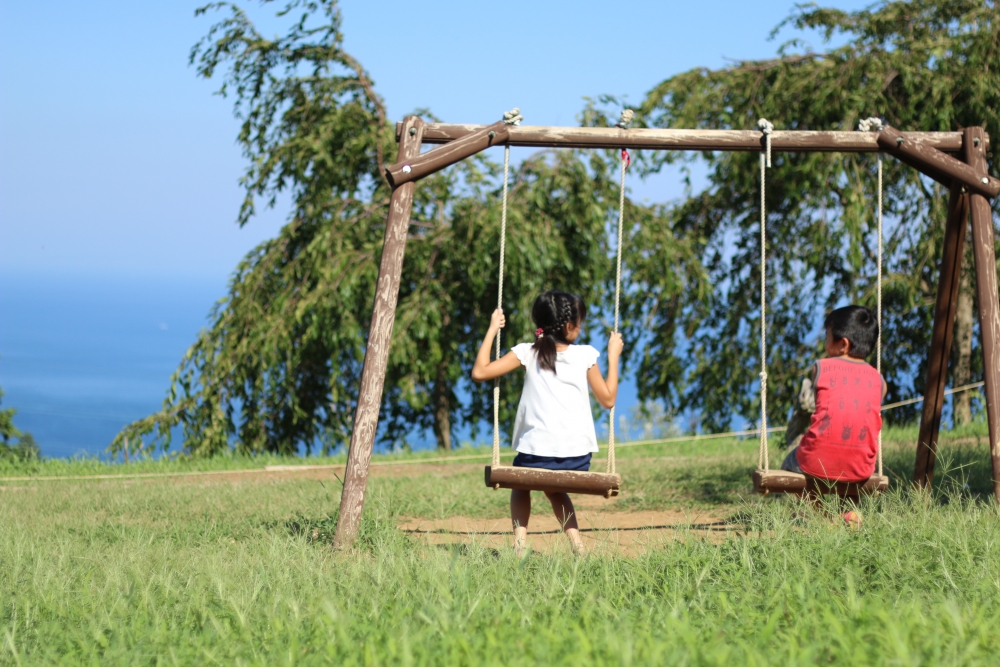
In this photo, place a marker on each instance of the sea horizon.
(82, 354)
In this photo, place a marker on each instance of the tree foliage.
(921, 65)
(280, 364)
(14, 443)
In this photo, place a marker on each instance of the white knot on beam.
(513, 117)
(767, 127)
(626, 119)
(873, 124)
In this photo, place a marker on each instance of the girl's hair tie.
(538, 332)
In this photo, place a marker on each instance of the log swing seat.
(765, 480)
(497, 477)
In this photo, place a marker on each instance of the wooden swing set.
(956, 159)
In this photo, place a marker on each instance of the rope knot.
(763, 376)
(873, 124)
(513, 117)
(625, 119)
(766, 127)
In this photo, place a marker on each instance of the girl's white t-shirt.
(554, 417)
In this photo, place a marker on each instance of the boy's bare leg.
(852, 517)
(520, 512)
(566, 516)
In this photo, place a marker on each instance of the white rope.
(626, 119)
(874, 124)
(763, 456)
(512, 117)
(766, 127)
(878, 344)
(503, 252)
(623, 123)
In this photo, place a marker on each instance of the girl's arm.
(607, 391)
(484, 369)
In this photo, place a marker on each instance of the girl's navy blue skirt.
(579, 463)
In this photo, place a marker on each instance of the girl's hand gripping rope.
(615, 345)
(484, 369)
(497, 321)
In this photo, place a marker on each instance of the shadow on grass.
(462, 549)
(722, 526)
(321, 529)
(376, 530)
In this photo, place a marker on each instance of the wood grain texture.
(352, 498)
(941, 336)
(692, 140)
(782, 481)
(554, 481)
(936, 164)
(425, 164)
(989, 301)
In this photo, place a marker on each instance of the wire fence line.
(421, 461)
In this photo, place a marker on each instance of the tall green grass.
(191, 572)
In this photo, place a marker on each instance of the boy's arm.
(805, 406)
(807, 393)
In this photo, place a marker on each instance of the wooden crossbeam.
(425, 164)
(936, 164)
(690, 140)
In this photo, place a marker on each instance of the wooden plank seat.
(782, 481)
(553, 481)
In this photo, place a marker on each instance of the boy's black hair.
(858, 325)
(552, 312)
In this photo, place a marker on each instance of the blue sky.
(116, 160)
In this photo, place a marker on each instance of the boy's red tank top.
(842, 440)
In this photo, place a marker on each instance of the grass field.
(236, 568)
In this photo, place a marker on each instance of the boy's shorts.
(791, 462)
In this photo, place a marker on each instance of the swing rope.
(874, 124)
(512, 117)
(624, 121)
(866, 125)
(763, 456)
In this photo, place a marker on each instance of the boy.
(841, 442)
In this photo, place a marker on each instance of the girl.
(554, 428)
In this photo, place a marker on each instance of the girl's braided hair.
(552, 312)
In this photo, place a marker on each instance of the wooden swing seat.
(782, 481)
(553, 481)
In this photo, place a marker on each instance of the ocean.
(83, 355)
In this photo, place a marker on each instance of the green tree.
(280, 365)
(7, 429)
(25, 448)
(921, 65)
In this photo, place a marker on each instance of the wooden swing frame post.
(984, 255)
(941, 336)
(397, 226)
(929, 152)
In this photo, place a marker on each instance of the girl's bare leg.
(566, 516)
(520, 512)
